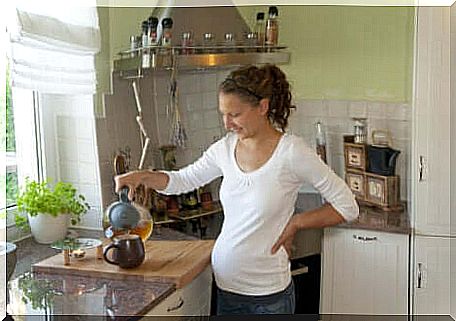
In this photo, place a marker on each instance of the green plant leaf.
(39, 197)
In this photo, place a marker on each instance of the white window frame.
(28, 158)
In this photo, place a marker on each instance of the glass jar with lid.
(208, 43)
(187, 43)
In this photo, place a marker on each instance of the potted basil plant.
(49, 210)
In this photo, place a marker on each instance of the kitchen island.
(114, 296)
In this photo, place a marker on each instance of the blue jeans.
(283, 302)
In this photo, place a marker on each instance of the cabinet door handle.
(365, 238)
(422, 168)
(179, 305)
(420, 275)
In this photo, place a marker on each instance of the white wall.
(336, 116)
(70, 147)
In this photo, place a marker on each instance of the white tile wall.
(71, 148)
(336, 117)
(197, 98)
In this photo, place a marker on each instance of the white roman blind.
(53, 45)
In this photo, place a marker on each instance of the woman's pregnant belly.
(248, 267)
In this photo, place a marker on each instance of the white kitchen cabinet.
(364, 272)
(430, 285)
(431, 137)
(192, 300)
(432, 276)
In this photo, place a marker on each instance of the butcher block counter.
(90, 286)
(177, 262)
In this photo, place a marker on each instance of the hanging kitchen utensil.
(120, 166)
(179, 137)
(145, 140)
(178, 134)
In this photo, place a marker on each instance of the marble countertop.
(371, 218)
(66, 295)
(42, 294)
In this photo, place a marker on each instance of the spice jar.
(360, 130)
(187, 42)
(208, 42)
(229, 42)
(251, 41)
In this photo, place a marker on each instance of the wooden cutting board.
(176, 262)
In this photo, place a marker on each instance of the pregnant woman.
(263, 168)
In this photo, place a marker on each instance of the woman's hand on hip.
(287, 236)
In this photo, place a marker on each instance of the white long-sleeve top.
(257, 206)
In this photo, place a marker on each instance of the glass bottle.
(144, 34)
(167, 24)
(145, 43)
(272, 27)
(260, 28)
(320, 140)
(152, 30)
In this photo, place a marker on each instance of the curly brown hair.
(251, 84)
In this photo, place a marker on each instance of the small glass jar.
(229, 43)
(187, 43)
(209, 45)
(250, 42)
(360, 130)
(134, 45)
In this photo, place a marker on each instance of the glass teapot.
(125, 217)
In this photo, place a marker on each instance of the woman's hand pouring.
(150, 179)
(131, 180)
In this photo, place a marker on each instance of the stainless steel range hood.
(216, 20)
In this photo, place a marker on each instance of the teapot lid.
(123, 215)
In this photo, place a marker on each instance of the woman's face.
(241, 117)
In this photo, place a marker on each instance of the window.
(19, 144)
(10, 147)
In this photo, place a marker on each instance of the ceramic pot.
(47, 229)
